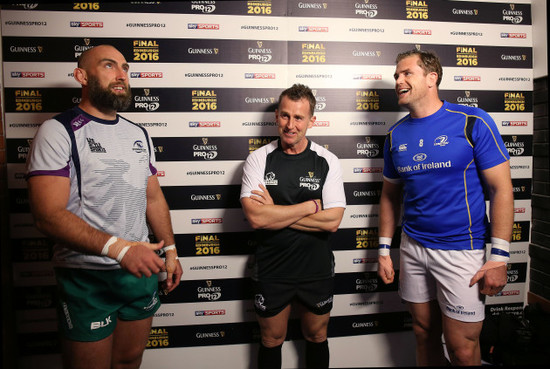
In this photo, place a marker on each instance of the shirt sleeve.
(489, 149)
(334, 195)
(253, 172)
(50, 152)
(390, 173)
(152, 159)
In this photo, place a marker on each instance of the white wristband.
(500, 250)
(169, 247)
(384, 240)
(384, 245)
(122, 253)
(108, 244)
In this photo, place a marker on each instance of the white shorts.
(430, 274)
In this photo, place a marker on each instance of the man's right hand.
(140, 259)
(385, 269)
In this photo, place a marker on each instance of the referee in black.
(293, 196)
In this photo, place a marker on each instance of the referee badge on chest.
(270, 179)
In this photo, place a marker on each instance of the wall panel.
(205, 77)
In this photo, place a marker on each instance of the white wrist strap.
(500, 250)
(122, 253)
(170, 247)
(108, 244)
(384, 245)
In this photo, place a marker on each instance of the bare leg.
(129, 341)
(273, 332)
(273, 329)
(427, 328)
(87, 355)
(462, 340)
(314, 327)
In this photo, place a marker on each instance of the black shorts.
(270, 298)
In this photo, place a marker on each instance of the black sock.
(317, 354)
(269, 358)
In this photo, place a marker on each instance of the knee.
(427, 334)
(464, 354)
(128, 359)
(426, 331)
(315, 335)
(273, 339)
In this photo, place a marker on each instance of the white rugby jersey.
(109, 163)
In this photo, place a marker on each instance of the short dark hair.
(428, 61)
(298, 92)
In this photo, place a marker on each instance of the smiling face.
(416, 88)
(293, 120)
(411, 81)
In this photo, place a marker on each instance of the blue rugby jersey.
(444, 205)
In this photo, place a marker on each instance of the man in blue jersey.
(93, 189)
(293, 195)
(437, 161)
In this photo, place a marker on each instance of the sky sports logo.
(202, 124)
(409, 31)
(368, 170)
(365, 260)
(514, 123)
(209, 312)
(259, 75)
(203, 26)
(28, 75)
(207, 221)
(312, 29)
(145, 74)
(467, 79)
(513, 35)
(368, 76)
(87, 24)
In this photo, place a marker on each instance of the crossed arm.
(262, 213)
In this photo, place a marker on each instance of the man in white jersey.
(437, 161)
(93, 189)
(293, 195)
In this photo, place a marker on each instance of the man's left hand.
(492, 277)
(174, 272)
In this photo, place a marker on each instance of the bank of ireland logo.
(270, 179)
(420, 157)
(259, 302)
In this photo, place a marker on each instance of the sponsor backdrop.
(205, 77)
